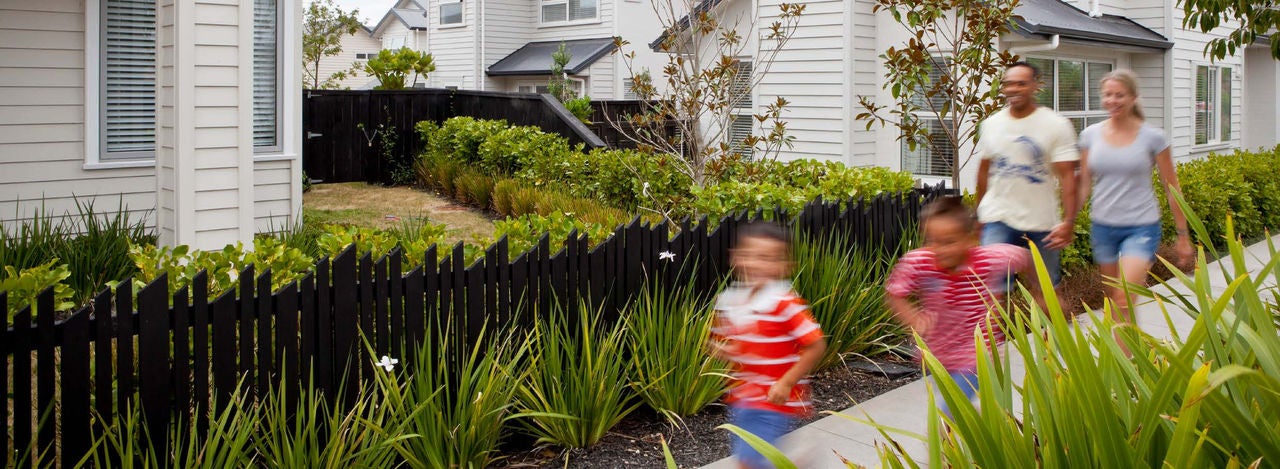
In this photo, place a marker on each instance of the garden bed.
(637, 440)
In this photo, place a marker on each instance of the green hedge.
(1241, 184)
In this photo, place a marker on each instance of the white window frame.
(1051, 82)
(462, 13)
(577, 84)
(278, 146)
(288, 124)
(1216, 125)
(94, 147)
(567, 21)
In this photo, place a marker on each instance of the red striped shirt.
(764, 333)
(957, 300)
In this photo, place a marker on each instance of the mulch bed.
(636, 441)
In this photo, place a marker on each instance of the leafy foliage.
(392, 68)
(24, 286)
(1240, 185)
(324, 24)
(524, 232)
(1251, 20)
(581, 108)
(947, 72)
(789, 186)
(223, 267)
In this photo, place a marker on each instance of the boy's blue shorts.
(766, 424)
(967, 381)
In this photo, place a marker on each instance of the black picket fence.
(175, 356)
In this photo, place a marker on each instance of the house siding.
(454, 48)
(865, 77)
(42, 119)
(359, 43)
(1187, 53)
(809, 74)
(508, 25)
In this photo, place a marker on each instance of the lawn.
(361, 204)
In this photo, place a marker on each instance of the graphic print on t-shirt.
(1034, 172)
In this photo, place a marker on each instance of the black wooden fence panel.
(254, 340)
(343, 129)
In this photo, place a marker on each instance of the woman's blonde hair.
(1128, 80)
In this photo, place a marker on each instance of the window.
(739, 130)
(577, 85)
(266, 76)
(127, 101)
(741, 100)
(556, 11)
(1213, 104)
(937, 156)
(1073, 88)
(450, 11)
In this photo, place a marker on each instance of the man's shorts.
(996, 232)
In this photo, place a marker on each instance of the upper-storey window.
(559, 11)
(450, 11)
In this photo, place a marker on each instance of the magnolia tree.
(945, 79)
(705, 88)
(1251, 19)
(323, 26)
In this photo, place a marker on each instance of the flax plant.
(577, 385)
(227, 442)
(309, 430)
(451, 406)
(845, 291)
(671, 370)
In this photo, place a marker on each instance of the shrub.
(452, 406)
(503, 193)
(223, 267)
(460, 137)
(413, 237)
(580, 108)
(768, 185)
(575, 391)
(511, 149)
(523, 232)
(24, 286)
(845, 290)
(1241, 184)
(667, 331)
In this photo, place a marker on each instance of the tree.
(690, 119)
(1254, 19)
(323, 27)
(945, 79)
(392, 67)
(558, 86)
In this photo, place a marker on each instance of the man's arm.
(984, 169)
(1064, 232)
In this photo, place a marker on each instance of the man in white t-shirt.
(1027, 175)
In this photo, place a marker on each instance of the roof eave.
(1028, 29)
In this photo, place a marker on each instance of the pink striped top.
(957, 300)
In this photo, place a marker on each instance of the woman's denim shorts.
(1112, 242)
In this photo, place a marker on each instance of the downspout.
(1053, 44)
(480, 65)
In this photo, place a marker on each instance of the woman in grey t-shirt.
(1116, 159)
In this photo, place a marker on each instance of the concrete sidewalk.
(817, 444)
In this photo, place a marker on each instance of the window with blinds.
(554, 11)
(1073, 88)
(128, 76)
(1213, 105)
(739, 130)
(266, 76)
(740, 91)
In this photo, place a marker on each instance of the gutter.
(1019, 50)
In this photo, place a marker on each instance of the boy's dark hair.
(950, 206)
(764, 229)
(1035, 72)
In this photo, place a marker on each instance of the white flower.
(667, 256)
(645, 190)
(387, 363)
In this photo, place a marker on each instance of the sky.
(370, 10)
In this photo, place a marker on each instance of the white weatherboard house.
(506, 45)
(1201, 105)
(356, 49)
(188, 110)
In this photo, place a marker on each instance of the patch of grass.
(364, 205)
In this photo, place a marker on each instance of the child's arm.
(809, 357)
(908, 313)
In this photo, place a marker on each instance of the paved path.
(907, 407)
